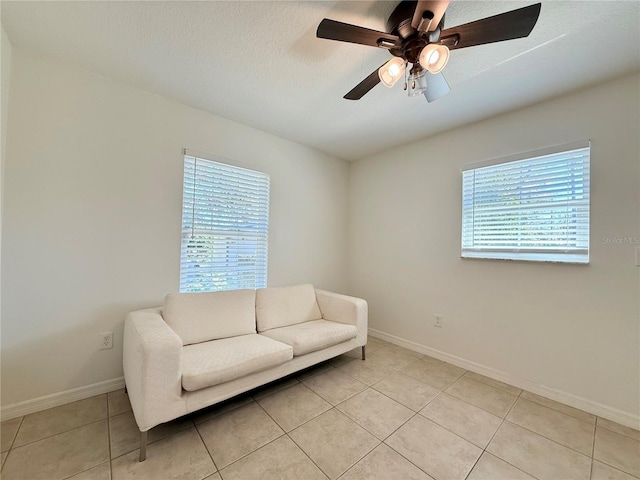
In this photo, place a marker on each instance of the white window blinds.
(225, 225)
(533, 208)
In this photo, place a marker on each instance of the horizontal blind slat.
(528, 207)
(225, 222)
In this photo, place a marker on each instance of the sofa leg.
(143, 446)
(363, 352)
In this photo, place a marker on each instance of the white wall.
(5, 80)
(92, 217)
(570, 328)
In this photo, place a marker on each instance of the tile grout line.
(547, 438)
(416, 411)
(593, 459)
(617, 433)
(395, 372)
(13, 441)
(333, 407)
(470, 404)
(504, 419)
(491, 385)
(566, 415)
(205, 447)
(60, 433)
(13, 446)
(219, 470)
(360, 458)
(445, 428)
(495, 433)
(422, 416)
(534, 400)
(305, 453)
(298, 426)
(484, 450)
(289, 437)
(341, 401)
(67, 431)
(16, 436)
(369, 431)
(593, 447)
(440, 392)
(556, 442)
(109, 435)
(149, 442)
(392, 372)
(366, 453)
(616, 468)
(90, 468)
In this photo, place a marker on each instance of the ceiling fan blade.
(505, 26)
(437, 87)
(345, 32)
(436, 7)
(364, 86)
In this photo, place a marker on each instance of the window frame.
(217, 236)
(580, 254)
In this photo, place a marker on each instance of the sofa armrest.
(345, 309)
(152, 356)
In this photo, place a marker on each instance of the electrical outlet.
(106, 340)
(438, 320)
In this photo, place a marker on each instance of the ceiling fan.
(420, 44)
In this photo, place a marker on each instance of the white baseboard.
(604, 411)
(56, 399)
(624, 418)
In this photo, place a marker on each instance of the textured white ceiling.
(259, 63)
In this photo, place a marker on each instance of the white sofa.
(202, 348)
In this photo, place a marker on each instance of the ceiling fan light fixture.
(434, 57)
(417, 81)
(391, 71)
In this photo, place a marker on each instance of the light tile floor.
(397, 415)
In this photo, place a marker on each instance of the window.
(529, 207)
(225, 225)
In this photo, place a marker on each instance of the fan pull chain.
(404, 87)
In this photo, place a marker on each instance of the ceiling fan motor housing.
(415, 34)
(413, 41)
(399, 22)
(412, 47)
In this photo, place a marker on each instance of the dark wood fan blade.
(436, 7)
(344, 32)
(505, 26)
(364, 86)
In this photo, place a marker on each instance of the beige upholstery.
(218, 361)
(311, 336)
(200, 317)
(152, 361)
(283, 306)
(156, 363)
(345, 309)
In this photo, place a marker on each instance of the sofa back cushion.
(283, 306)
(200, 317)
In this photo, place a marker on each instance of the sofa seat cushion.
(218, 361)
(283, 306)
(311, 336)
